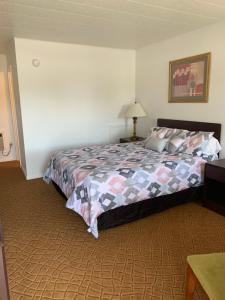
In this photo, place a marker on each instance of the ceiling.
(112, 23)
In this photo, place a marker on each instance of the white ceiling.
(113, 23)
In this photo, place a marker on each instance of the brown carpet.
(50, 255)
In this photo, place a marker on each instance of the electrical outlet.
(1, 142)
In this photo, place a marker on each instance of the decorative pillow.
(175, 143)
(156, 144)
(196, 142)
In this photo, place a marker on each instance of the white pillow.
(213, 147)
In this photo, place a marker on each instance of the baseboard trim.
(23, 170)
(34, 176)
(30, 176)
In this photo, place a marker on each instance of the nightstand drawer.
(215, 173)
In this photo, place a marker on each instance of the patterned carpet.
(50, 255)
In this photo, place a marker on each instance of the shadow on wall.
(122, 113)
(128, 123)
(144, 124)
(5, 117)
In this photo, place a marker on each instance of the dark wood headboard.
(192, 126)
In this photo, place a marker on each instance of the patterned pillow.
(175, 143)
(158, 132)
(196, 142)
(172, 132)
(163, 132)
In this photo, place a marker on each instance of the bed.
(109, 185)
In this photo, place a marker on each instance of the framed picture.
(189, 79)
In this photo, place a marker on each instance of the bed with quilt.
(102, 178)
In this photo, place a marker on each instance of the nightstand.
(214, 189)
(129, 140)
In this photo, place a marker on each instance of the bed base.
(135, 211)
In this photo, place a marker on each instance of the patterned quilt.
(99, 178)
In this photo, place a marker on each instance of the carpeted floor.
(50, 255)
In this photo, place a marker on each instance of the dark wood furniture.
(129, 139)
(4, 288)
(192, 126)
(214, 190)
(135, 211)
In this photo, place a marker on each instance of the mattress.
(100, 178)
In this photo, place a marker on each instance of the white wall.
(152, 67)
(73, 98)
(5, 112)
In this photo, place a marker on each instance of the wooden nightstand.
(214, 189)
(129, 140)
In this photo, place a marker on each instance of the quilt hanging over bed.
(99, 178)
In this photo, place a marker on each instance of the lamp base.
(133, 138)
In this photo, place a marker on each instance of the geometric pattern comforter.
(99, 178)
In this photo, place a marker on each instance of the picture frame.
(189, 79)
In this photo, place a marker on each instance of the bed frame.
(192, 126)
(138, 210)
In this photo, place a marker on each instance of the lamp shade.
(135, 110)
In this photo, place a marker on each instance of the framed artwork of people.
(189, 79)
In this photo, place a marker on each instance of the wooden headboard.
(192, 126)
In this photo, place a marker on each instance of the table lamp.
(134, 111)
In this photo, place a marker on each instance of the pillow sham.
(158, 132)
(196, 142)
(156, 144)
(172, 132)
(163, 132)
(175, 143)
